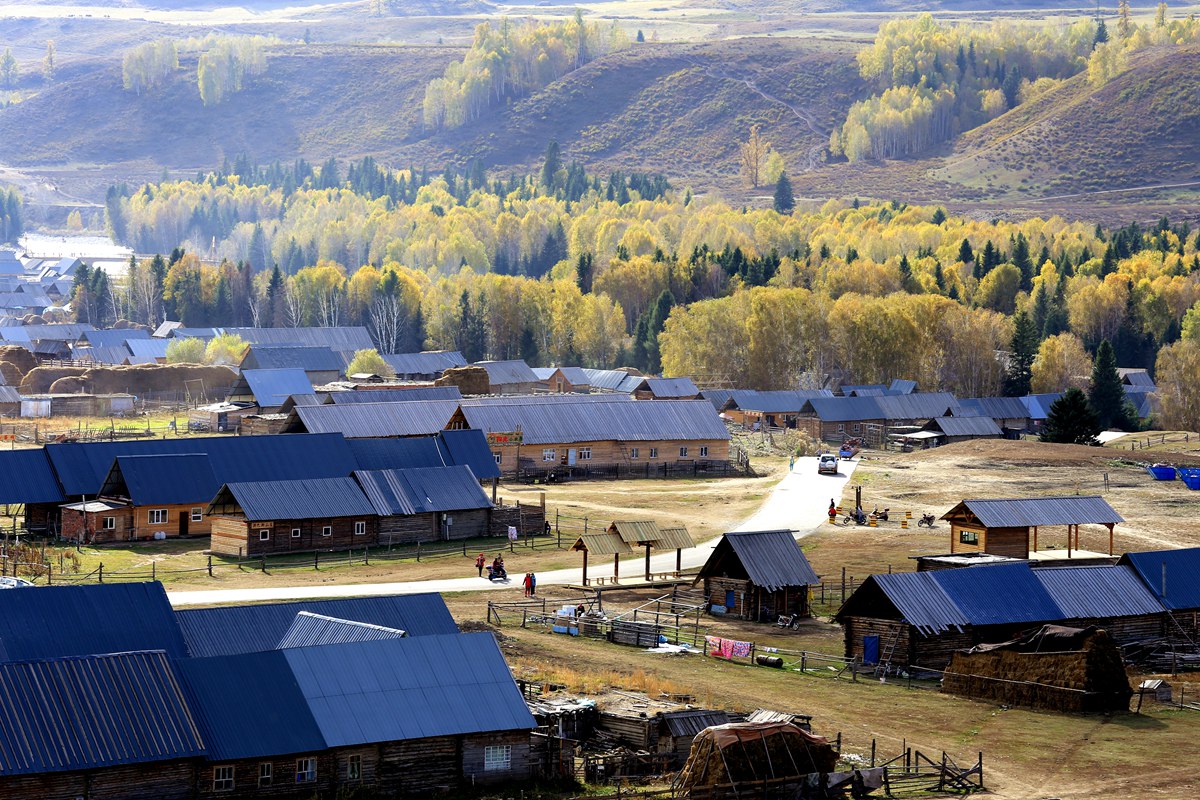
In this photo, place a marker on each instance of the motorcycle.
(497, 573)
(882, 516)
(857, 517)
(926, 521)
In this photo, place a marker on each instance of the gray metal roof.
(771, 559)
(552, 398)
(770, 402)
(309, 629)
(1027, 512)
(1039, 404)
(113, 338)
(966, 426)
(846, 409)
(502, 373)
(395, 492)
(339, 339)
(1136, 377)
(690, 723)
(566, 422)
(917, 406)
(318, 498)
(148, 348)
(396, 395)
(309, 359)
(610, 380)
(669, 388)
(426, 363)
(900, 386)
(995, 407)
(1097, 592)
(374, 420)
(270, 387)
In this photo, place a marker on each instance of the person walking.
(479, 562)
(532, 585)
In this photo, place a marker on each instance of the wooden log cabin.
(165, 496)
(920, 618)
(1011, 527)
(1170, 575)
(758, 575)
(425, 505)
(268, 517)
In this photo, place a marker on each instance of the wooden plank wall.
(235, 536)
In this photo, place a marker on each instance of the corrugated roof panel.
(426, 363)
(419, 491)
(1039, 404)
(91, 712)
(917, 406)
(340, 339)
(374, 420)
(845, 409)
(148, 348)
(26, 476)
(407, 453)
(772, 402)
(674, 539)
(308, 630)
(502, 373)
(899, 386)
(690, 723)
(316, 498)
(1170, 575)
(1097, 592)
(566, 422)
(609, 380)
(552, 399)
(249, 706)
(446, 686)
(162, 479)
(995, 407)
(998, 594)
(469, 448)
(967, 426)
(229, 630)
(57, 621)
(603, 543)
(113, 338)
(396, 395)
(921, 601)
(1030, 511)
(270, 387)
(772, 559)
(633, 532)
(671, 388)
(309, 359)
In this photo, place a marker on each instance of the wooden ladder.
(886, 652)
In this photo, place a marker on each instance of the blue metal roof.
(90, 712)
(406, 453)
(161, 479)
(427, 363)
(374, 420)
(1030, 511)
(57, 621)
(148, 348)
(314, 498)
(249, 706)
(396, 395)
(995, 407)
(419, 491)
(309, 629)
(919, 598)
(229, 630)
(772, 559)
(845, 409)
(26, 476)
(900, 386)
(82, 467)
(1039, 404)
(998, 594)
(411, 688)
(1097, 592)
(468, 448)
(1170, 574)
(575, 420)
(270, 387)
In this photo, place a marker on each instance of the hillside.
(679, 109)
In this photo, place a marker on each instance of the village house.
(621, 381)
(665, 389)
(509, 377)
(774, 409)
(320, 364)
(426, 505)
(269, 388)
(1170, 575)
(1010, 527)
(425, 366)
(563, 379)
(377, 420)
(948, 430)
(1010, 413)
(758, 575)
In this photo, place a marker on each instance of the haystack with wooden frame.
(742, 759)
(1054, 668)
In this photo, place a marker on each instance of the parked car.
(827, 464)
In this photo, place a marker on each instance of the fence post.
(263, 564)
(153, 571)
(418, 551)
(367, 554)
(316, 560)
(210, 566)
(100, 572)
(49, 574)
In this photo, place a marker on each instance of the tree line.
(224, 63)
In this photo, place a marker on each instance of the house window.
(968, 537)
(264, 535)
(585, 453)
(306, 770)
(857, 427)
(157, 516)
(327, 530)
(197, 514)
(654, 452)
(549, 454)
(841, 427)
(704, 451)
(223, 779)
(264, 774)
(295, 533)
(498, 456)
(683, 452)
(110, 523)
(497, 757)
(360, 529)
(634, 452)
(354, 768)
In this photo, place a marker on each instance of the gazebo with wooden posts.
(1009, 527)
(603, 543)
(651, 537)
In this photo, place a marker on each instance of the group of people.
(496, 570)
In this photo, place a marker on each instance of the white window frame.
(497, 757)
(306, 770)
(498, 456)
(634, 452)
(197, 514)
(110, 523)
(683, 452)
(585, 453)
(360, 528)
(549, 454)
(704, 451)
(153, 516)
(857, 427)
(654, 452)
(223, 778)
(968, 537)
(841, 427)
(266, 774)
(295, 533)
(354, 768)
(264, 534)
(327, 530)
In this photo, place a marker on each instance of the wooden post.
(647, 563)
(1035, 527)
(585, 580)
(1110, 538)
(210, 566)
(1069, 541)
(678, 561)
(616, 566)
(100, 573)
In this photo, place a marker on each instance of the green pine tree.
(784, 200)
(965, 254)
(1020, 362)
(1071, 421)
(1106, 394)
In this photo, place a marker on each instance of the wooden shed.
(1010, 527)
(758, 575)
(427, 504)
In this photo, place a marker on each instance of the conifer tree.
(784, 200)
(1106, 394)
(1020, 361)
(1071, 421)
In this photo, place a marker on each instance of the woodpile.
(469, 380)
(1054, 669)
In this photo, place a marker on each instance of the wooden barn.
(564, 380)
(758, 575)
(426, 505)
(320, 364)
(922, 618)
(1170, 575)
(1010, 527)
(948, 430)
(267, 517)
(773, 409)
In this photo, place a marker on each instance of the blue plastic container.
(1190, 477)
(1162, 472)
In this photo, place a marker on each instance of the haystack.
(469, 380)
(1053, 668)
(72, 384)
(135, 380)
(21, 359)
(747, 753)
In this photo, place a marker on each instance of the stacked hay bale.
(15, 362)
(469, 380)
(1054, 669)
(132, 380)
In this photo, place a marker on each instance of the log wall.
(162, 781)
(234, 536)
(608, 453)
